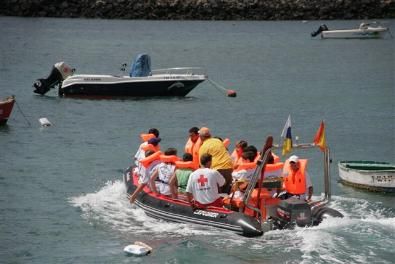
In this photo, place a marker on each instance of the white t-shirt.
(145, 173)
(243, 174)
(165, 171)
(140, 154)
(203, 185)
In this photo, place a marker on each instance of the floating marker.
(231, 93)
(44, 122)
(137, 249)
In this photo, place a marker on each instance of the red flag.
(319, 138)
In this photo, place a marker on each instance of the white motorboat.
(370, 175)
(365, 30)
(141, 82)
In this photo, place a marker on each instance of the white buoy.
(137, 249)
(44, 122)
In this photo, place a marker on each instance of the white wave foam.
(110, 206)
(327, 242)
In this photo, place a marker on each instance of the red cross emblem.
(202, 180)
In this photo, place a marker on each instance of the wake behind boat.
(141, 81)
(369, 175)
(257, 213)
(365, 30)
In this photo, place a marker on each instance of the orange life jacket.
(246, 166)
(146, 147)
(273, 170)
(186, 165)
(236, 158)
(193, 149)
(146, 137)
(295, 182)
(276, 158)
(148, 160)
(169, 158)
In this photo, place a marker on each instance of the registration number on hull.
(382, 178)
(205, 213)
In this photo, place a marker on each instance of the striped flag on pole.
(286, 135)
(320, 139)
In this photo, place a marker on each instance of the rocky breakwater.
(202, 9)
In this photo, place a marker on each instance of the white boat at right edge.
(370, 175)
(365, 30)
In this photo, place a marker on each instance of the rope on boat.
(19, 108)
(229, 93)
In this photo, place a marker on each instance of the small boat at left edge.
(6, 106)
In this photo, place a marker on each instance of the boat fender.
(148, 160)
(186, 165)
(169, 158)
(137, 249)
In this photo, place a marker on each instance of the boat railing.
(263, 161)
(182, 71)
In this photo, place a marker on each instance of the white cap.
(294, 158)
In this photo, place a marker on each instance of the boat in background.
(141, 81)
(369, 175)
(6, 107)
(365, 30)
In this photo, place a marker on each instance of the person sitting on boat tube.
(297, 181)
(152, 133)
(160, 178)
(145, 169)
(203, 184)
(184, 169)
(193, 144)
(238, 153)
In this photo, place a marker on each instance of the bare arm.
(139, 188)
(152, 180)
(173, 186)
(190, 200)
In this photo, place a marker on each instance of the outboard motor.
(292, 212)
(60, 71)
(323, 27)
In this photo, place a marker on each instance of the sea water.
(62, 199)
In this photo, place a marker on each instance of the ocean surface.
(62, 199)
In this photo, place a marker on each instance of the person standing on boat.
(221, 160)
(146, 167)
(160, 178)
(152, 133)
(193, 144)
(297, 181)
(203, 184)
